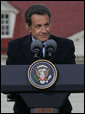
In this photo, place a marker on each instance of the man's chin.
(43, 39)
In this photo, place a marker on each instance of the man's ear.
(27, 27)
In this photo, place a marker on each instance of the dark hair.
(36, 9)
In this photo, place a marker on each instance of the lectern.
(41, 84)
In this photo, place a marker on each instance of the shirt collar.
(34, 40)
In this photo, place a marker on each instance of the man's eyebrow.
(41, 24)
(38, 25)
(47, 23)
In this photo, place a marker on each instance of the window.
(5, 28)
(8, 18)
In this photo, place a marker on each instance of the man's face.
(40, 27)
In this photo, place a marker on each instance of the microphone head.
(51, 43)
(36, 44)
(36, 49)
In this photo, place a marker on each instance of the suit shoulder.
(17, 42)
(62, 40)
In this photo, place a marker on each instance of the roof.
(6, 6)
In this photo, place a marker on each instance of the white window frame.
(9, 35)
(7, 8)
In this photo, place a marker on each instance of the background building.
(67, 22)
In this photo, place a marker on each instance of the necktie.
(43, 50)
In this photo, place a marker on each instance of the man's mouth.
(43, 36)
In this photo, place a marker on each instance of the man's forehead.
(39, 18)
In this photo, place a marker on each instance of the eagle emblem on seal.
(43, 75)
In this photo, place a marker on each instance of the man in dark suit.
(38, 23)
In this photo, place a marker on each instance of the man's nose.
(43, 30)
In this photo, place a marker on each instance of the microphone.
(50, 48)
(36, 49)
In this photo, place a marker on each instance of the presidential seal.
(42, 74)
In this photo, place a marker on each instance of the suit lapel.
(26, 47)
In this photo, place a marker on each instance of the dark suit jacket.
(19, 54)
